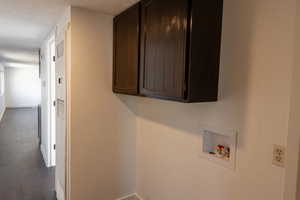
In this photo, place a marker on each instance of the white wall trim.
(60, 195)
(45, 158)
(67, 21)
(3, 104)
(139, 197)
(21, 107)
(2, 113)
(131, 195)
(51, 120)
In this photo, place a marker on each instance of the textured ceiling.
(112, 7)
(19, 57)
(24, 24)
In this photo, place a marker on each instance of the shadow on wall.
(235, 69)
(253, 98)
(126, 144)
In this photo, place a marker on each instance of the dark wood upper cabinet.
(126, 51)
(163, 48)
(205, 28)
(179, 49)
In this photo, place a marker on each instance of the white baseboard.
(1, 114)
(139, 197)
(131, 195)
(47, 163)
(20, 107)
(60, 194)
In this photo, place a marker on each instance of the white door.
(60, 115)
(52, 104)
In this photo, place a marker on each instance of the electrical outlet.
(278, 155)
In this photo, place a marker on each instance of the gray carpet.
(23, 175)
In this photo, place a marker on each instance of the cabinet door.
(163, 48)
(126, 51)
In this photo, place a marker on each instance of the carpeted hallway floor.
(23, 175)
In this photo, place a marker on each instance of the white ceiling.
(19, 57)
(112, 7)
(24, 24)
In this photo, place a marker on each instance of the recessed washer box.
(220, 146)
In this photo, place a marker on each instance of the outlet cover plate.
(279, 155)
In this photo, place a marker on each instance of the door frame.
(68, 111)
(51, 102)
(64, 30)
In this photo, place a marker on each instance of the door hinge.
(59, 80)
(54, 103)
(54, 146)
(53, 58)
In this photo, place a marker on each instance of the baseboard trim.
(21, 107)
(131, 195)
(46, 161)
(60, 194)
(2, 114)
(139, 197)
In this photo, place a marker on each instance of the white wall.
(45, 115)
(2, 97)
(293, 153)
(22, 87)
(102, 125)
(62, 36)
(255, 88)
(108, 131)
(293, 140)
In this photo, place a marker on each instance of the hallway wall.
(109, 130)
(255, 89)
(293, 153)
(22, 87)
(102, 125)
(45, 101)
(2, 97)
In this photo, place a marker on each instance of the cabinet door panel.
(163, 48)
(126, 51)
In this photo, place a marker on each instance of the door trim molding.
(59, 191)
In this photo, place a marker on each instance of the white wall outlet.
(279, 155)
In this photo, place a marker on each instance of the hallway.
(23, 175)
